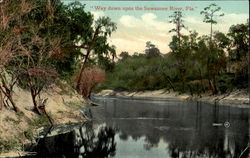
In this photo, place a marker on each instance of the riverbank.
(17, 129)
(234, 98)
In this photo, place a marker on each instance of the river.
(159, 128)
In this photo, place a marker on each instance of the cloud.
(133, 32)
(224, 23)
(148, 21)
(234, 18)
(97, 14)
(129, 21)
(148, 17)
(128, 45)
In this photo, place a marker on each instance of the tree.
(75, 26)
(103, 27)
(221, 40)
(10, 13)
(176, 44)
(38, 39)
(238, 53)
(151, 50)
(210, 14)
(124, 56)
(239, 34)
(176, 19)
(105, 54)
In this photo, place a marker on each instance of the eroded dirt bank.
(17, 129)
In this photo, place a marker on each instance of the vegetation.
(215, 63)
(43, 43)
(7, 145)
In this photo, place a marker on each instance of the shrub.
(89, 79)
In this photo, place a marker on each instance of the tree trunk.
(36, 106)
(215, 86)
(201, 80)
(183, 82)
(211, 30)
(1, 101)
(211, 86)
(6, 92)
(171, 84)
(190, 89)
(79, 88)
(89, 48)
(49, 118)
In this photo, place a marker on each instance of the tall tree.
(210, 14)
(10, 29)
(177, 19)
(176, 44)
(103, 27)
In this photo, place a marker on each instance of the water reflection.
(185, 128)
(85, 142)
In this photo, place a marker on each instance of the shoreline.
(238, 98)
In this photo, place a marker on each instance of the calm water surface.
(144, 128)
(171, 128)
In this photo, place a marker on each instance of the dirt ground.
(14, 128)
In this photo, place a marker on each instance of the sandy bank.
(234, 98)
(18, 129)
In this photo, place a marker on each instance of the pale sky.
(136, 27)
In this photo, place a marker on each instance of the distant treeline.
(196, 64)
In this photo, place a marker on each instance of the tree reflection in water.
(83, 142)
(185, 128)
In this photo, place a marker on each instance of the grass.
(40, 121)
(74, 104)
(60, 112)
(65, 87)
(7, 145)
(28, 133)
(20, 114)
(9, 119)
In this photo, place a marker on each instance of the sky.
(136, 24)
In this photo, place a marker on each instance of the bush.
(224, 83)
(89, 79)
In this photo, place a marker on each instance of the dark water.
(159, 129)
(136, 128)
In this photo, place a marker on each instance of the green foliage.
(9, 119)
(152, 51)
(239, 34)
(8, 145)
(193, 62)
(29, 133)
(20, 114)
(41, 120)
(225, 83)
(138, 73)
(209, 13)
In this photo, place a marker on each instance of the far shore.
(239, 98)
